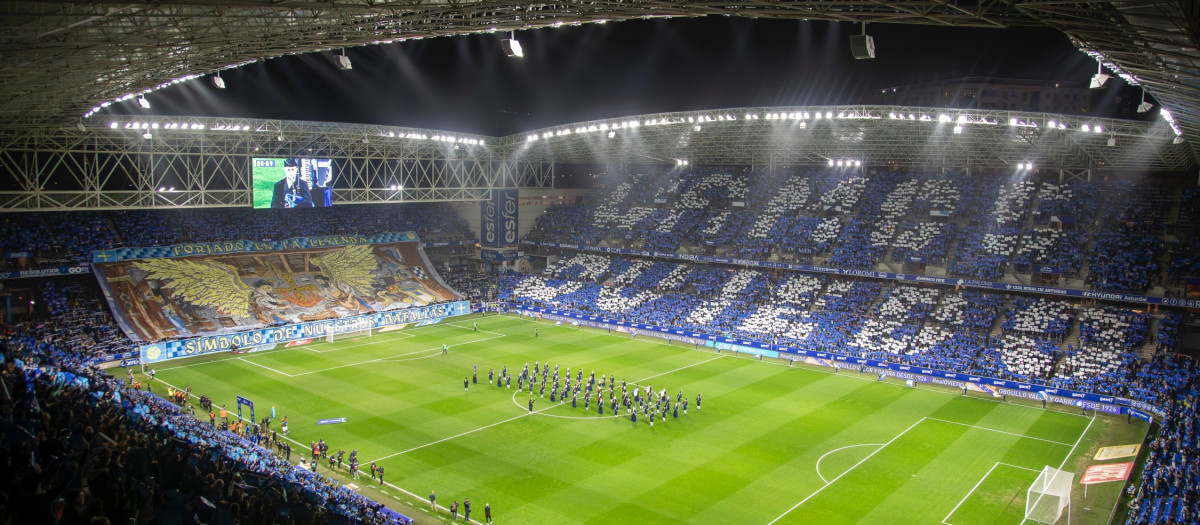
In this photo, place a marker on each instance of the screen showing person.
(292, 182)
(322, 181)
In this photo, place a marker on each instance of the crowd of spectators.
(974, 228)
(957, 330)
(80, 446)
(71, 237)
(1123, 260)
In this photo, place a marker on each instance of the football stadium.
(396, 262)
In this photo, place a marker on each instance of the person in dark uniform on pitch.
(531, 405)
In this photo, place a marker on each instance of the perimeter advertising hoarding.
(1099, 402)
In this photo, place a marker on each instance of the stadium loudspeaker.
(862, 46)
(512, 47)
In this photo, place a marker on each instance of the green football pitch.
(772, 443)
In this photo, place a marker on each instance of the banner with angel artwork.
(164, 298)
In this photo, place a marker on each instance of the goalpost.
(365, 332)
(1049, 495)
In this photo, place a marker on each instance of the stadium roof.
(61, 59)
(910, 137)
(128, 162)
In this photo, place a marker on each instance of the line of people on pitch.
(454, 506)
(560, 390)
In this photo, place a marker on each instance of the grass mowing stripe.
(822, 458)
(972, 491)
(514, 397)
(303, 446)
(244, 360)
(386, 358)
(977, 427)
(759, 441)
(839, 476)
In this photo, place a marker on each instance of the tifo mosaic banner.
(315, 279)
(946, 281)
(244, 246)
(1109, 404)
(162, 351)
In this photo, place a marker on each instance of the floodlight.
(1053, 124)
(145, 104)
(1012, 121)
(1100, 78)
(219, 82)
(857, 163)
(147, 136)
(112, 125)
(1178, 140)
(1085, 128)
(1097, 129)
(830, 162)
(958, 129)
(343, 62)
(512, 47)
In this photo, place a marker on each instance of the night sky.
(572, 74)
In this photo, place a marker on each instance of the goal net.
(329, 338)
(1049, 495)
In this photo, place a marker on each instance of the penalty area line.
(244, 360)
(839, 476)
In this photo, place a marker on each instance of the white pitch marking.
(302, 445)
(517, 417)
(946, 520)
(634, 383)
(244, 360)
(803, 366)
(389, 357)
(999, 431)
(1068, 457)
(972, 491)
(837, 449)
(372, 339)
(839, 476)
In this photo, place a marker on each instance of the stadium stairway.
(1072, 337)
(998, 324)
(1146, 352)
